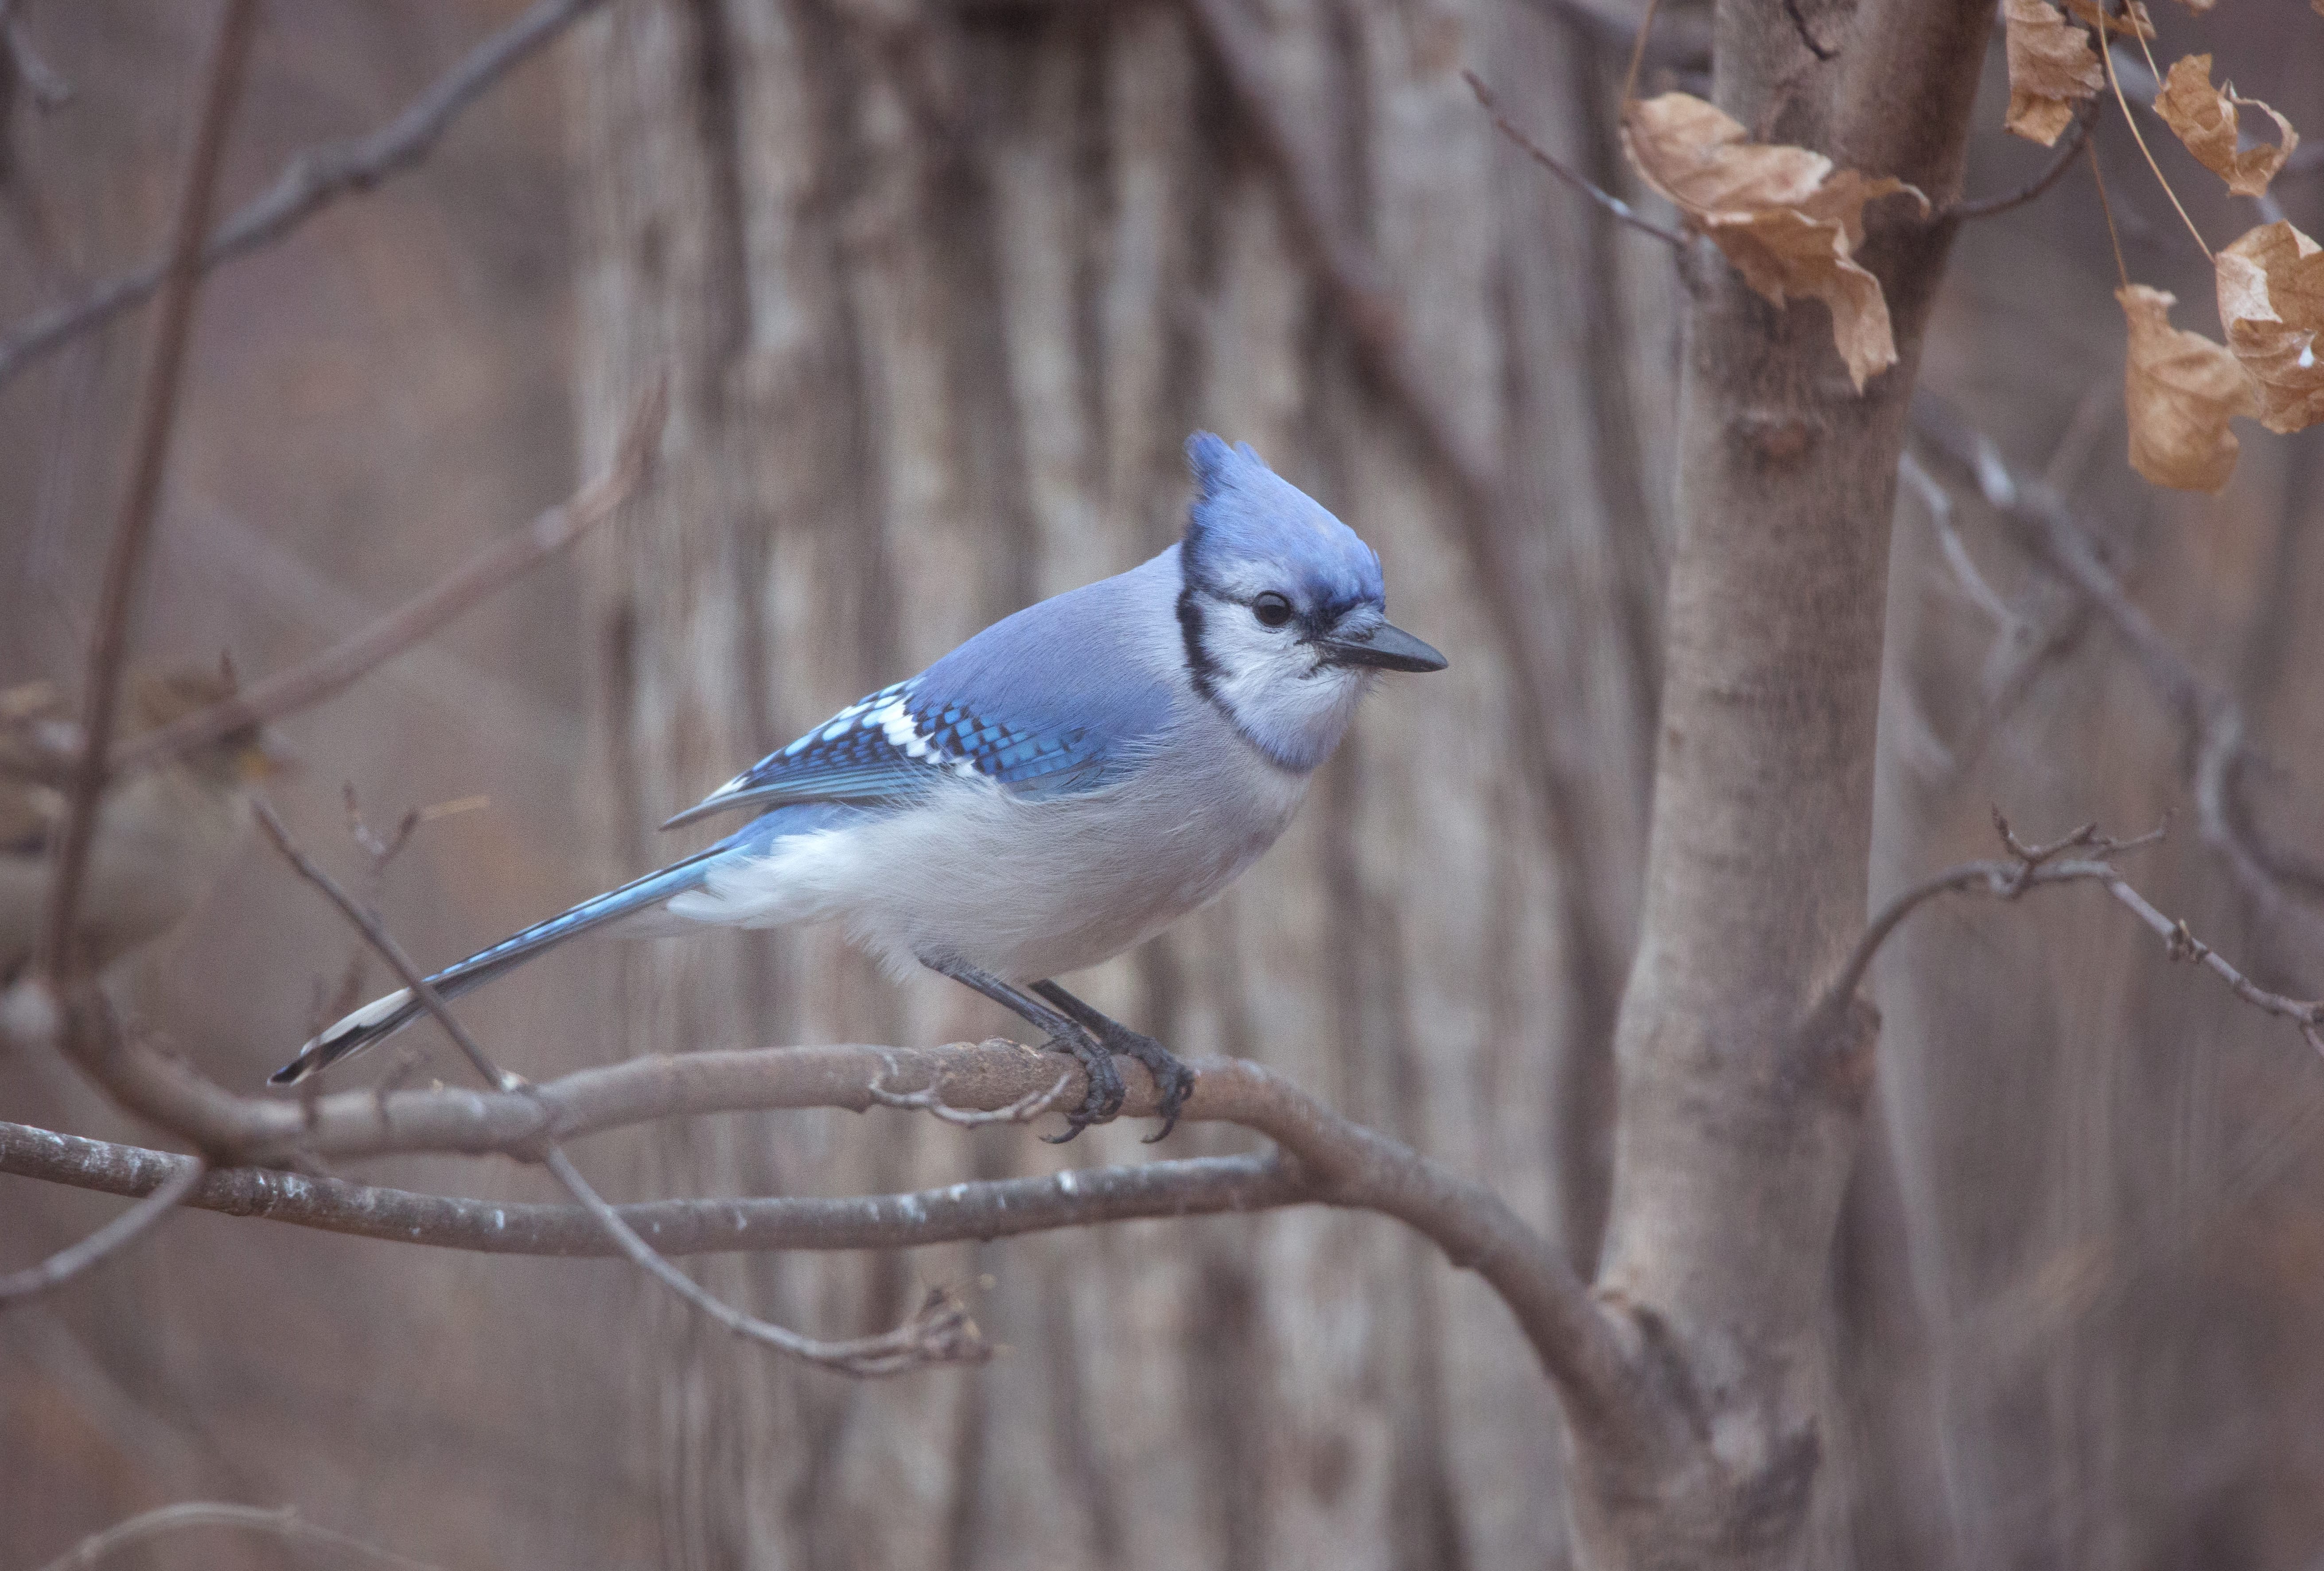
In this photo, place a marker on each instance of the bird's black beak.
(1384, 648)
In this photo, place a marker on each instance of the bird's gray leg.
(1172, 1078)
(1066, 1034)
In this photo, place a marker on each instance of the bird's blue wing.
(1056, 699)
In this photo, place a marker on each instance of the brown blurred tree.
(948, 287)
(944, 288)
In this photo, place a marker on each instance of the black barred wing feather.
(896, 744)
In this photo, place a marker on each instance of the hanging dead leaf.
(2205, 119)
(2271, 300)
(2132, 23)
(2052, 67)
(1788, 222)
(2181, 389)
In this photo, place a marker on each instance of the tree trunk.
(1738, 1120)
(943, 291)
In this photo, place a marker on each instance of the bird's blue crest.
(1249, 529)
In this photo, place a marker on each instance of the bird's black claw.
(1173, 1081)
(1103, 1099)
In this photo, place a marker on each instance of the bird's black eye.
(1271, 608)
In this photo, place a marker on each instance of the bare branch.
(114, 1236)
(375, 934)
(312, 180)
(283, 1524)
(938, 1332)
(982, 1210)
(1345, 1164)
(1613, 204)
(2077, 136)
(483, 575)
(2032, 866)
(2218, 751)
(133, 530)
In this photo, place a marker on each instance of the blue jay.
(1065, 784)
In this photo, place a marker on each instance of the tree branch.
(981, 1211)
(2218, 751)
(1340, 1164)
(283, 1524)
(938, 1332)
(115, 1236)
(2077, 136)
(1622, 210)
(326, 674)
(133, 530)
(312, 180)
(2030, 866)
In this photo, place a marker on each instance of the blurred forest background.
(945, 284)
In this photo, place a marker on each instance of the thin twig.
(2077, 136)
(324, 675)
(2218, 752)
(938, 1332)
(313, 179)
(1613, 204)
(2030, 867)
(284, 1524)
(115, 1236)
(367, 923)
(2114, 81)
(133, 530)
(1938, 502)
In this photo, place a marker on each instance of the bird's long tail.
(383, 1017)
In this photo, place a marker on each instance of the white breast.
(1026, 889)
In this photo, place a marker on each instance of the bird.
(1060, 787)
(163, 834)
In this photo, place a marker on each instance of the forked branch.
(2030, 867)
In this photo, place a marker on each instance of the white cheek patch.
(1275, 687)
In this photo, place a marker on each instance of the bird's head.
(1284, 610)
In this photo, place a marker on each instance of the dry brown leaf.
(1782, 215)
(2200, 7)
(2134, 23)
(2205, 119)
(2271, 300)
(2051, 66)
(2181, 389)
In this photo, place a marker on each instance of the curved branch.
(2077, 136)
(2034, 866)
(2219, 749)
(1339, 1163)
(1613, 204)
(312, 180)
(117, 1235)
(283, 1524)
